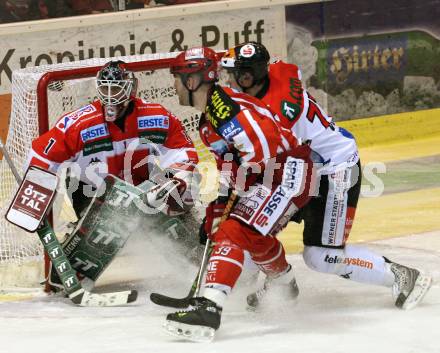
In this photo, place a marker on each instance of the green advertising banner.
(379, 57)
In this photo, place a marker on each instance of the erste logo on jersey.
(66, 121)
(153, 122)
(247, 50)
(94, 132)
(153, 128)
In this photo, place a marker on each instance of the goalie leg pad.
(102, 232)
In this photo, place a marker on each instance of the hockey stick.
(179, 303)
(66, 273)
(164, 300)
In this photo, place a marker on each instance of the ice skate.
(198, 323)
(409, 287)
(285, 285)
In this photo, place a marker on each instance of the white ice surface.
(331, 315)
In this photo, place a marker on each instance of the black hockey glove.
(203, 236)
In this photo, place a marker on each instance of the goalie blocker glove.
(172, 197)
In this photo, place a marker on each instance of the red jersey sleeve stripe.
(247, 142)
(259, 132)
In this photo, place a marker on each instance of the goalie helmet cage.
(40, 96)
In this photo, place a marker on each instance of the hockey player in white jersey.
(329, 216)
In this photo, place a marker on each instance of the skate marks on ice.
(332, 307)
(331, 314)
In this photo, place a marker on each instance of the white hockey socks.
(216, 295)
(354, 262)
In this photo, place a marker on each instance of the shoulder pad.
(221, 108)
(66, 121)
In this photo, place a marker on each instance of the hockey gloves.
(214, 214)
(166, 197)
(203, 237)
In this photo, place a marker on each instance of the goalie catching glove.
(174, 196)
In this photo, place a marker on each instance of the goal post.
(40, 96)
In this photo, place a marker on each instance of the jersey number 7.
(315, 111)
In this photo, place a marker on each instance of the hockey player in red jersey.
(121, 135)
(328, 218)
(124, 136)
(258, 160)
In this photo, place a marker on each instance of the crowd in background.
(26, 10)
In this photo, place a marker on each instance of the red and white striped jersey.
(299, 112)
(150, 134)
(243, 125)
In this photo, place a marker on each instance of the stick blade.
(106, 299)
(163, 300)
(132, 297)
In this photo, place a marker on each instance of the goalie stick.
(180, 303)
(72, 286)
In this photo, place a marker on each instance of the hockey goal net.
(41, 95)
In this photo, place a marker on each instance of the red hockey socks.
(273, 262)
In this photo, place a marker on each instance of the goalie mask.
(115, 87)
(248, 63)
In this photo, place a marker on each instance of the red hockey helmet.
(200, 60)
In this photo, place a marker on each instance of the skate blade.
(421, 287)
(194, 333)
